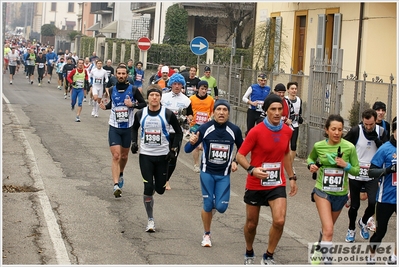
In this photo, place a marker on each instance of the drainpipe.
(359, 40)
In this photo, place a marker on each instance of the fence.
(323, 92)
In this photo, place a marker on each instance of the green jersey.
(331, 178)
(211, 84)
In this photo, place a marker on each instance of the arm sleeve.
(353, 135)
(136, 126)
(69, 78)
(245, 97)
(140, 99)
(216, 91)
(189, 110)
(376, 171)
(176, 126)
(354, 161)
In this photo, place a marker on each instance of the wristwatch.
(175, 150)
(250, 169)
(292, 178)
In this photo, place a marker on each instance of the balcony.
(142, 7)
(100, 8)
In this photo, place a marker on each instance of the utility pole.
(233, 52)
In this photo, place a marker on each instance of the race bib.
(218, 153)
(259, 106)
(139, 77)
(152, 137)
(333, 179)
(41, 65)
(273, 169)
(364, 173)
(98, 81)
(121, 114)
(79, 83)
(201, 118)
(190, 91)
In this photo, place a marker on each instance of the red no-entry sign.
(144, 43)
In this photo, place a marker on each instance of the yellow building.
(367, 32)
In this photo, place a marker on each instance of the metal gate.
(324, 95)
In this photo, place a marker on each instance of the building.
(357, 28)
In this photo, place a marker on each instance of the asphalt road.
(59, 209)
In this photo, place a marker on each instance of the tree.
(72, 35)
(176, 25)
(240, 15)
(48, 30)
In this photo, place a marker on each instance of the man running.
(266, 180)
(155, 151)
(98, 77)
(41, 67)
(124, 98)
(180, 104)
(51, 59)
(77, 78)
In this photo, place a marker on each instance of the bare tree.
(238, 15)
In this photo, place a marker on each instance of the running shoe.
(95, 115)
(77, 119)
(316, 257)
(10, 82)
(370, 260)
(371, 224)
(48, 81)
(39, 84)
(196, 168)
(31, 82)
(364, 232)
(84, 99)
(65, 96)
(26, 77)
(117, 191)
(121, 181)
(267, 261)
(350, 236)
(72, 107)
(92, 113)
(249, 260)
(150, 226)
(206, 241)
(391, 261)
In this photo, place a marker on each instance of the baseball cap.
(379, 105)
(262, 76)
(279, 87)
(205, 83)
(165, 69)
(207, 68)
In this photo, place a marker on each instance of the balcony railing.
(100, 8)
(139, 6)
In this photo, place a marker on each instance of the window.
(71, 7)
(273, 45)
(53, 6)
(328, 35)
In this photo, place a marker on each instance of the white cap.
(165, 69)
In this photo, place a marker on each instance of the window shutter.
(336, 38)
(277, 44)
(321, 32)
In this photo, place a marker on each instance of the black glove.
(134, 148)
(171, 155)
(300, 120)
(391, 169)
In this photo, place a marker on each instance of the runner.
(218, 137)
(98, 77)
(155, 151)
(77, 78)
(266, 181)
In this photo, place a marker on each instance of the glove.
(391, 169)
(134, 148)
(171, 155)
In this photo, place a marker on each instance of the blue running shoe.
(364, 232)
(121, 181)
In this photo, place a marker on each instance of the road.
(59, 209)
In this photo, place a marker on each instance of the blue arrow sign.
(199, 45)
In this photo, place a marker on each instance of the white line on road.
(61, 253)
